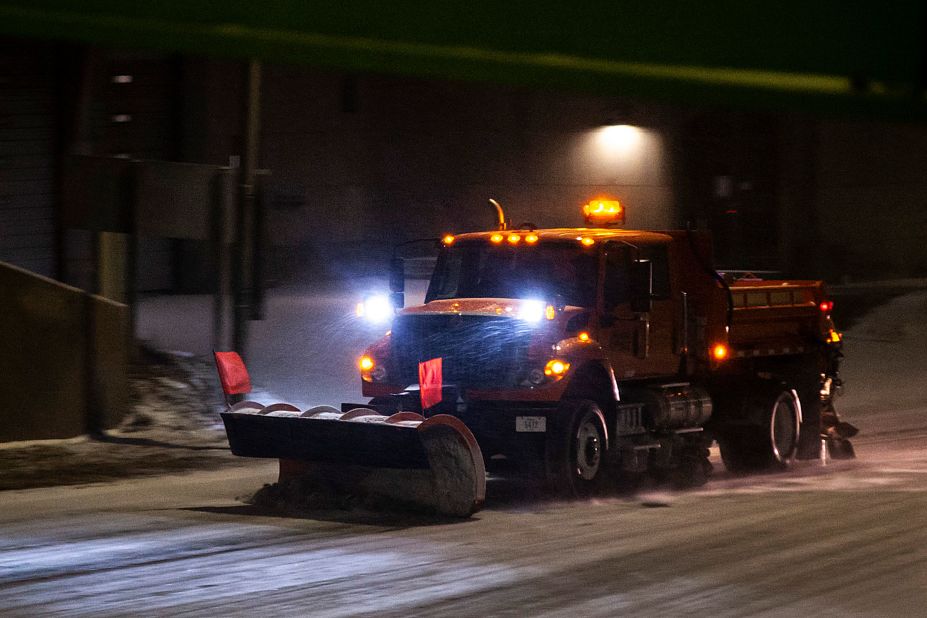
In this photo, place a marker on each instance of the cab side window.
(617, 290)
(659, 260)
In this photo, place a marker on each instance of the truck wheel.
(784, 432)
(577, 463)
(770, 444)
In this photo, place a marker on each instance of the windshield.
(544, 271)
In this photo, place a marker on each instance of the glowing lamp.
(720, 352)
(496, 238)
(514, 239)
(586, 241)
(600, 213)
(531, 239)
(826, 306)
(583, 336)
(532, 311)
(555, 368)
(365, 363)
(377, 309)
(448, 239)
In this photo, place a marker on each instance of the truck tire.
(577, 456)
(769, 444)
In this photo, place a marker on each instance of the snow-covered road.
(843, 539)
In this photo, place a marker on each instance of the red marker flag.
(232, 373)
(429, 382)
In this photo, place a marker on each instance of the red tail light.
(826, 306)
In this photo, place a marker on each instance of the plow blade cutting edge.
(432, 464)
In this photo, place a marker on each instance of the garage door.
(27, 229)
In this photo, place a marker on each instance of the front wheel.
(577, 461)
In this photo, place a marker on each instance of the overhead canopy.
(830, 55)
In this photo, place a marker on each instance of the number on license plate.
(531, 424)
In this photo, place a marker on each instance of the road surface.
(847, 538)
(843, 539)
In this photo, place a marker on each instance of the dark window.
(547, 270)
(617, 259)
(659, 260)
(617, 291)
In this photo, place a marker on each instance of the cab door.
(639, 342)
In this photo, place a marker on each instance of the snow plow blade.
(432, 464)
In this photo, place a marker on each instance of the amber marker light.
(720, 352)
(583, 336)
(365, 363)
(496, 238)
(588, 242)
(550, 312)
(514, 239)
(556, 368)
(531, 239)
(448, 239)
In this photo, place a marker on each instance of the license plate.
(531, 424)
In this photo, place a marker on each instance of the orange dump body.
(778, 317)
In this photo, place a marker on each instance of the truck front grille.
(476, 350)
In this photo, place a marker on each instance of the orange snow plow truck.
(580, 356)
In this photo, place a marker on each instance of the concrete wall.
(63, 358)
(872, 196)
(361, 162)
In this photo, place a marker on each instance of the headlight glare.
(376, 309)
(531, 311)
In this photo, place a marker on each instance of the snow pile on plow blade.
(432, 464)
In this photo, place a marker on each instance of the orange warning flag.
(232, 373)
(429, 382)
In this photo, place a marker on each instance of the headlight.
(376, 309)
(532, 311)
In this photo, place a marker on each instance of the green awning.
(822, 55)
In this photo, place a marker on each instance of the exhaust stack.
(500, 215)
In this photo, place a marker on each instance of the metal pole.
(245, 229)
(217, 233)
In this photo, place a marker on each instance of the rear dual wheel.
(771, 442)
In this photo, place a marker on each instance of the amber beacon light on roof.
(603, 213)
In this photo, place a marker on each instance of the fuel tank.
(674, 406)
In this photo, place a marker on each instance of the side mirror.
(640, 283)
(397, 300)
(397, 276)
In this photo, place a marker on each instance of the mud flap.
(837, 434)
